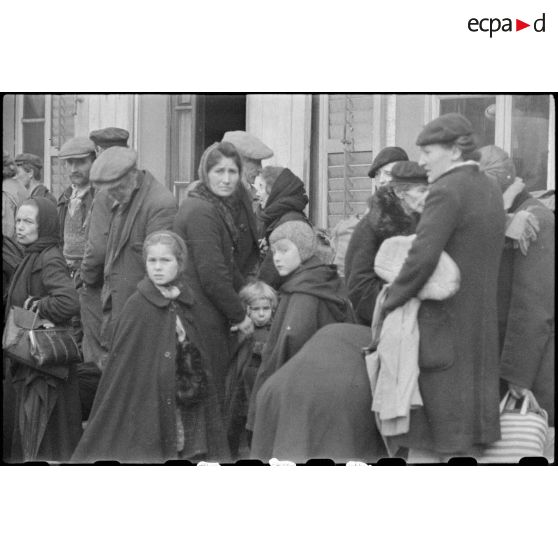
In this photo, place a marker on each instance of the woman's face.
(437, 159)
(161, 264)
(383, 175)
(27, 224)
(286, 256)
(223, 177)
(413, 198)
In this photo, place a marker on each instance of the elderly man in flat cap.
(252, 151)
(140, 206)
(109, 137)
(29, 168)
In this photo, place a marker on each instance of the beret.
(113, 164)
(108, 137)
(29, 158)
(77, 148)
(248, 146)
(444, 129)
(408, 171)
(385, 156)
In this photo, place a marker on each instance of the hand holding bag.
(523, 431)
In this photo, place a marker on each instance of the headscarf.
(222, 205)
(287, 194)
(497, 165)
(49, 235)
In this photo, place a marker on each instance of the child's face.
(161, 264)
(285, 256)
(260, 312)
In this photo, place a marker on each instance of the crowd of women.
(214, 359)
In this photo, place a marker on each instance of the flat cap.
(77, 148)
(248, 146)
(29, 158)
(113, 164)
(405, 172)
(445, 129)
(109, 137)
(385, 156)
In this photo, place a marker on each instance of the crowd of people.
(221, 329)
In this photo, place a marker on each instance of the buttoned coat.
(459, 377)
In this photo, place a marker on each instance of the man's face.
(121, 189)
(79, 170)
(436, 159)
(251, 168)
(24, 176)
(383, 175)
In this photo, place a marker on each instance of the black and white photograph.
(292, 277)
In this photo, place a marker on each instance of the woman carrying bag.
(42, 413)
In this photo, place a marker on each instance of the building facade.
(329, 140)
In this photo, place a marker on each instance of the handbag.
(523, 431)
(26, 340)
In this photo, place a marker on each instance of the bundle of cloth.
(393, 362)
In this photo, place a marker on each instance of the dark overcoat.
(151, 208)
(248, 253)
(214, 278)
(50, 282)
(526, 308)
(134, 413)
(312, 297)
(464, 216)
(385, 219)
(318, 404)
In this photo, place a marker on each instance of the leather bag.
(523, 430)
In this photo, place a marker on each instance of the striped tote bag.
(523, 431)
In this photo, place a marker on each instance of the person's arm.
(440, 218)
(531, 308)
(93, 263)
(62, 302)
(363, 284)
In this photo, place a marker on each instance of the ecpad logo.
(494, 24)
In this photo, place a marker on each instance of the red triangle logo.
(519, 25)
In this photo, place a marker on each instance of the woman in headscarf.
(282, 199)
(156, 400)
(205, 221)
(44, 410)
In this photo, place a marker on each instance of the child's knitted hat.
(300, 233)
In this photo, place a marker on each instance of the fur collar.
(386, 216)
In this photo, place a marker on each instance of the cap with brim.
(77, 148)
(387, 155)
(445, 129)
(113, 164)
(29, 158)
(110, 137)
(248, 146)
(408, 172)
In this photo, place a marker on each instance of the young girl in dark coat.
(311, 297)
(42, 413)
(156, 400)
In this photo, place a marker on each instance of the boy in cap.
(252, 151)
(141, 206)
(311, 297)
(29, 174)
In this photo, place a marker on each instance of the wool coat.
(318, 404)
(133, 418)
(50, 282)
(151, 208)
(385, 219)
(214, 278)
(312, 297)
(526, 308)
(248, 253)
(459, 376)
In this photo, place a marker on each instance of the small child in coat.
(260, 301)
